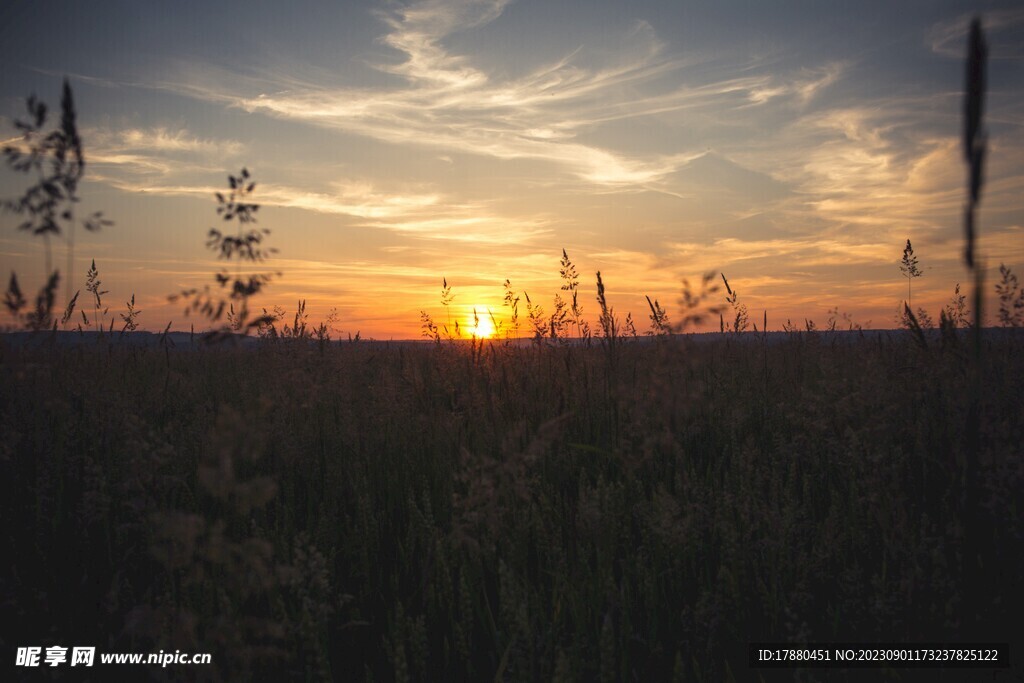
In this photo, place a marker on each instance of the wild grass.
(368, 512)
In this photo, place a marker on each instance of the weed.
(908, 266)
(130, 317)
(607, 321)
(57, 162)
(741, 320)
(1011, 298)
(428, 328)
(246, 245)
(956, 310)
(511, 301)
(660, 325)
(571, 283)
(535, 314)
(695, 309)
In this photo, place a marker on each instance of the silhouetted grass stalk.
(974, 140)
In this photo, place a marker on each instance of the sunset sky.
(795, 146)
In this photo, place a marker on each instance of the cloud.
(124, 154)
(448, 102)
(470, 227)
(424, 216)
(1002, 29)
(162, 139)
(158, 140)
(170, 154)
(801, 88)
(418, 30)
(874, 169)
(350, 198)
(795, 253)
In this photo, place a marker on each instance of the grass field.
(454, 512)
(611, 508)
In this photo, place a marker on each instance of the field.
(628, 510)
(589, 504)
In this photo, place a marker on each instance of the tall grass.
(418, 513)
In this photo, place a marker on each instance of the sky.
(792, 146)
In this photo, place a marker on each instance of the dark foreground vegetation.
(631, 512)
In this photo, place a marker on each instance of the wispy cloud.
(420, 215)
(160, 140)
(476, 227)
(949, 38)
(351, 198)
(795, 253)
(447, 102)
(418, 30)
(163, 139)
(872, 171)
(120, 156)
(802, 87)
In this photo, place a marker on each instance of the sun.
(479, 323)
